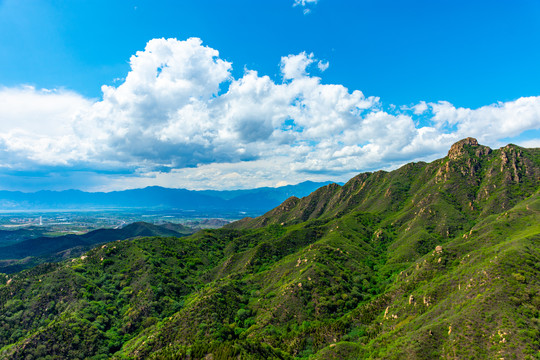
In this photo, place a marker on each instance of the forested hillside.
(33, 251)
(433, 260)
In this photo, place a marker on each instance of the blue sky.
(106, 95)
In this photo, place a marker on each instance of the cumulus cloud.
(180, 119)
(489, 122)
(35, 127)
(40, 112)
(294, 66)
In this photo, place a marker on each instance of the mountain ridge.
(458, 156)
(157, 197)
(432, 260)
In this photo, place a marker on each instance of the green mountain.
(438, 260)
(10, 237)
(31, 252)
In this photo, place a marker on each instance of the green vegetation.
(31, 252)
(438, 260)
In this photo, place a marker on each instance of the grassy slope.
(348, 272)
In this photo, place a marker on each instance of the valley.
(432, 260)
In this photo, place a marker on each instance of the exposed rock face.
(460, 148)
(514, 165)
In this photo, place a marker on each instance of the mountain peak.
(461, 147)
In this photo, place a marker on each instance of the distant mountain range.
(259, 199)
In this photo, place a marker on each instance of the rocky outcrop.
(462, 147)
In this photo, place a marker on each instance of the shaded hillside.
(27, 253)
(9, 237)
(429, 261)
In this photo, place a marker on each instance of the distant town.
(56, 223)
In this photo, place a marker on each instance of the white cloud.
(532, 143)
(38, 112)
(489, 122)
(305, 2)
(163, 103)
(294, 66)
(168, 123)
(420, 108)
(323, 65)
(35, 126)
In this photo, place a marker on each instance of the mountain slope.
(472, 179)
(31, 252)
(10, 237)
(436, 260)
